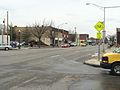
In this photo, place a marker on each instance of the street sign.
(99, 35)
(99, 26)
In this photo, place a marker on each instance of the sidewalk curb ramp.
(92, 62)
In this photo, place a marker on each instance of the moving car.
(111, 61)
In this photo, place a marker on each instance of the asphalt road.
(53, 69)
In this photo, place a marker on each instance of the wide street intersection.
(53, 69)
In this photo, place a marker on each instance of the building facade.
(51, 37)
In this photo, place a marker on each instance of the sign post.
(99, 26)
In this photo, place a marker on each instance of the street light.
(58, 31)
(19, 38)
(104, 8)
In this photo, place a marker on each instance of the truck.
(111, 61)
(5, 42)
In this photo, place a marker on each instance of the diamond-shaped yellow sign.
(99, 26)
(99, 35)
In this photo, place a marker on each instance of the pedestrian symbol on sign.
(99, 35)
(99, 26)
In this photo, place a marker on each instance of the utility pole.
(76, 41)
(7, 27)
(3, 31)
(75, 34)
(11, 28)
(19, 32)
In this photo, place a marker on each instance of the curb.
(90, 64)
(19, 49)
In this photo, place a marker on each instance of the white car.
(5, 47)
(73, 44)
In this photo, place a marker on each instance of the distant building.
(72, 37)
(84, 36)
(50, 37)
(80, 39)
(83, 39)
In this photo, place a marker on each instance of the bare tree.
(38, 30)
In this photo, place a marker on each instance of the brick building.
(50, 37)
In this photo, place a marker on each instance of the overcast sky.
(75, 12)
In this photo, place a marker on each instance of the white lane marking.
(29, 80)
(55, 56)
(15, 87)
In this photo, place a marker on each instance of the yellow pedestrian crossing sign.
(99, 35)
(99, 26)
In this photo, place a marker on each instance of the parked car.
(5, 42)
(15, 44)
(65, 45)
(73, 44)
(93, 44)
(83, 43)
(22, 43)
(5, 47)
(112, 61)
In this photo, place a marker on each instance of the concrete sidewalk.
(94, 61)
